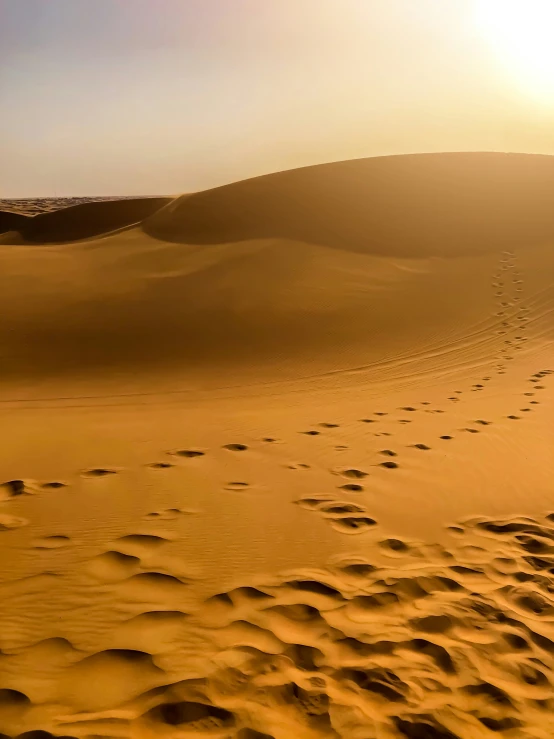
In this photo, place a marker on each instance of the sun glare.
(521, 33)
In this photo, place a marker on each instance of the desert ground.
(278, 457)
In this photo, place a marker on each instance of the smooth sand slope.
(277, 462)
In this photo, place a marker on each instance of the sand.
(277, 458)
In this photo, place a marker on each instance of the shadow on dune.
(87, 220)
(410, 205)
(12, 221)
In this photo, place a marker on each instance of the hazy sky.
(165, 96)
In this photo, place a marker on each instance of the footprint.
(243, 447)
(338, 508)
(408, 408)
(233, 486)
(482, 422)
(513, 418)
(55, 485)
(395, 545)
(313, 503)
(308, 433)
(354, 473)
(353, 524)
(352, 487)
(99, 472)
(388, 453)
(168, 514)
(329, 425)
(423, 447)
(52, 542)
(11, 522)
(13, 489)
(446, 437)
(160, 465)
(197, 718)
(188, 453)
(389, 465)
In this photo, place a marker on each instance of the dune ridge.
(407, 205)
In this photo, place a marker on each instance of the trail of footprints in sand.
(508, 283)
(421, 641)
(351, 517)
(413, 641)
(344, 516)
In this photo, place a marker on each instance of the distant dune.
(88, 219)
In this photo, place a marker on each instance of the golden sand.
(277, 459)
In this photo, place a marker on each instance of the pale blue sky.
(164, 96)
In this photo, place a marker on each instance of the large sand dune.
(277, 461)
(401, 206)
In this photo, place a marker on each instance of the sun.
(521, 33)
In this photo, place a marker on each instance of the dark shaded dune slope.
(88, 219)
(420, 205)
(12, 221)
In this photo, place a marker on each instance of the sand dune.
(11, 221)
(277, 462)
(35, 206)
(86, 220)
(373, 275)
(401, 206)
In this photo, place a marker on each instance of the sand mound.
(86, 220)
(411, 205)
